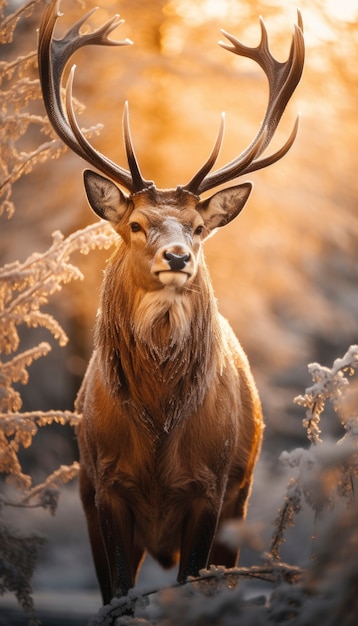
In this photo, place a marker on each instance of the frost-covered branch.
(208, 584)
(19, 65)
(46, 494)
(329, 384)
(285, 518)
(26, 287)
(8, 25)
(326, 474)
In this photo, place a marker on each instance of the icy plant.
(329, 384)
(326, 479)
(18, 89)
(326, 471)
(25, 288)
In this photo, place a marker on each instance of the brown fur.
(171, 417)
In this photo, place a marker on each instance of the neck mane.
(156, 346)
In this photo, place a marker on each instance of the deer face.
(163, 229)
(170, 243)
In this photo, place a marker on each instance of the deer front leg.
(117, 528)
(198, 534)
(88, 497)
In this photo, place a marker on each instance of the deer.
(172, 422)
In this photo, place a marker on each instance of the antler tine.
(138, 181)
(283, 79)
(199, 184)
(276, 156)
(193, 185)
(53, 55)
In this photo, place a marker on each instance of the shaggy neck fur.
(158, 346)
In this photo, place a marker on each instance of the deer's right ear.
(104, 197)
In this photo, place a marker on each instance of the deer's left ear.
(224, 205)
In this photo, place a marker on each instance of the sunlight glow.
(344, 10)
(203, 10)
(212, 8)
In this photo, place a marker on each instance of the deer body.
(172, 422)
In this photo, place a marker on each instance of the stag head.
(134, 214)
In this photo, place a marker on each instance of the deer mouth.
(172, 278)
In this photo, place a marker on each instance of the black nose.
(176, 262)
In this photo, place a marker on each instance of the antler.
(283, 79)
(53, 55)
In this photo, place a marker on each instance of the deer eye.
(199, 229)
(135, 227)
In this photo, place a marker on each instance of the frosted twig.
(270, 572)
(329, 384)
